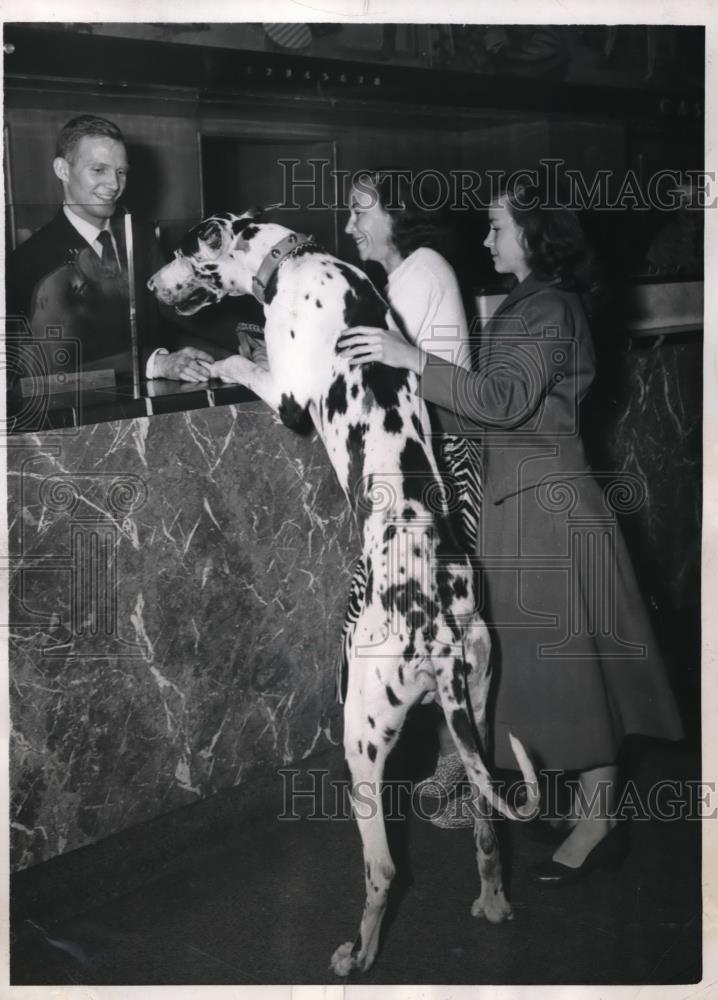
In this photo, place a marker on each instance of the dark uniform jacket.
(98, 319)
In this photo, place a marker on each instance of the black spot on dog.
(363, 306)
(355, 391)
(318, 304)
(392, 421)
(409, 514)
(247, 230)
(418, 477)
(457, 680)
(306, 295)
(356, 487)
(402, 598)
(371, 752)
(416, 619)
(400, 669)
(443, 585)
(429, 632)
(386, 383)
(410, 650)
(337, 397)
(417, 427)
(462, 727)
(389, 734)
(291, 334)
(371, 722)
(389, 532)
(369, 590)
(293, 415)
(359, 746)
(393, 700)
(461, 588)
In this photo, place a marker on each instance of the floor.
(225, 892)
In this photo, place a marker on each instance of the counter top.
(60, 410)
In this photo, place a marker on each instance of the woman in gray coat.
(577, 665)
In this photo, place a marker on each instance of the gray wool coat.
(576, 664)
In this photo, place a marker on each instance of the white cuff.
(150, 366)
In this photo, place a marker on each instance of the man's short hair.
(84, 125)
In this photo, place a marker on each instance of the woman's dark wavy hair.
(557, 248)
(413, 225)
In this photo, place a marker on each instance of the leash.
(276, 256)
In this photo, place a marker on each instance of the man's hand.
(187, 365)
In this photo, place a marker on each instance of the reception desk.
(178, 587)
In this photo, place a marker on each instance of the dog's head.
(217, 257)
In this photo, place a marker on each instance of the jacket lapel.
(66, 234)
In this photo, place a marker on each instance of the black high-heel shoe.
(609, 854)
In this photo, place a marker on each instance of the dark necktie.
(109, 257)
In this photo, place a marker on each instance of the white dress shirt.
(90, 232)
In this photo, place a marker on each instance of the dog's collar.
(279, 252)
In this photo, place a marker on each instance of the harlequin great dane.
(418, 636)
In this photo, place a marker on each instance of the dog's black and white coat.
(418, 636)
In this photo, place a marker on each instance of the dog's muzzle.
(176, 284)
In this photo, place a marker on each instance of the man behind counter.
(72, 273)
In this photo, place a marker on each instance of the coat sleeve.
(516, 367)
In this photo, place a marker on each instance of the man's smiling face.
(94, 177)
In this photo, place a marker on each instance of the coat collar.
(528, 286)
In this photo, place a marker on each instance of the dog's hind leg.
(463, 685)
(373, 717)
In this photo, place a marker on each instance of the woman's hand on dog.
(362, 344)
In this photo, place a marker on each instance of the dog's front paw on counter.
(233, 369)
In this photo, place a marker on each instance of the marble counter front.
(177, 594)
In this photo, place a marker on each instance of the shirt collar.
(84, 228)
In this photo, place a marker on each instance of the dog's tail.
(529, 808)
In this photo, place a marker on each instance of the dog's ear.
(210, 239)
(257, 211)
